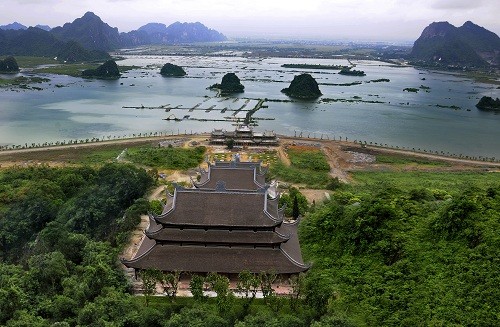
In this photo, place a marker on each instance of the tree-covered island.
(352, 72)
(230, 84)
(171, 70)
(9, 65)
(314, 66)
(108, 70)
(488, 103)
(303, 86)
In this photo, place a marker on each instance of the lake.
(424, 120)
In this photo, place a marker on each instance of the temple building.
(243, 135)
(236, 175)
(228, 223)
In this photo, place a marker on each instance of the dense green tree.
(24, 318)
(9, 65)
(294, 198)
(198, 316)
(268, 319)
(196, 286)
(220, 285)
(170, 283)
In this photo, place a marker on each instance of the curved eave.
(268, 217)
(218, 236)
(297, 263)
(200, 259)
(154, 225)
(273, 223)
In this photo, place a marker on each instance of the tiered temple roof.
(221, 229)
(236, 175)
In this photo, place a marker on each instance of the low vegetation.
(395, 159)
(314, 66)
(308, 167)
(352, 72)
(22, 81)
(168, 157)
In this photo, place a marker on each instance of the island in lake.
(352, 72)
(108, 70)
(230, 84)
(303, 86)
(171, 70)
(314, 66)
(9, 65)
(488, 103)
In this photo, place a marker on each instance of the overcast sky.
(383, 20)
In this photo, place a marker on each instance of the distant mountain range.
(443, 44)
(95, 36)
(17, 26)
(37, 42)
(157, 33)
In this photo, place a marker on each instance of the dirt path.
(138, 234)
(337, 161)
(283, 156)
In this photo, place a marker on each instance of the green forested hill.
(392, 249)
(40, 43)
(389, 254)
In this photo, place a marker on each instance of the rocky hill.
(9, 65)
(303, 86)
(108, 70)
(44, 27)
(91, 32)
(230, 84)
(172, 70)
(191, 33)
(14, 26)
(37, 42)
(442, 44)
(158, 33)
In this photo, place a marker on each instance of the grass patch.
(32, 62)
(308, 158)
(265, 157)
(96, 154)
(167, 158)
(406, 160)
(75, 70)
(308, 166)
(448, 181)
(22, 80)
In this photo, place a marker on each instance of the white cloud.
(369, 19)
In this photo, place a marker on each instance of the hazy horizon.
(342, 20)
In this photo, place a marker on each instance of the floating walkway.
(247, 120)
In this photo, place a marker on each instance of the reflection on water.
(86, 109)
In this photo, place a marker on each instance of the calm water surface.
(85, 109)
